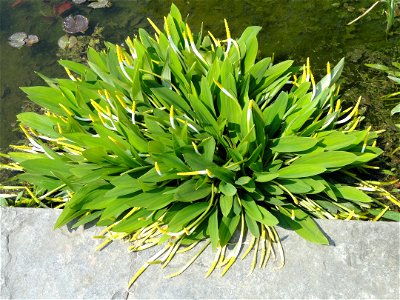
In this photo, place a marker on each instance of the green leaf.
(213, 228)
(227, 189)
(303, 225)
(351, 193)
(226, 203)
(265, 176)
(251, 207)
(300, 170)
(227, 228)
(187, 191)
(292, 144)
(329, 159)
(252, 226)
(185, 215)
(268, 218)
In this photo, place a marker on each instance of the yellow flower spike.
(189, 34)
(119, 54)
(97, 107)
(157, 167)
(304, 75)
(216, 42)
(193, 173)
(69, 74)
(101, 118)
(351, 215)
(223, 89)
(166, 27)
(293, 216)
(355, 123)
(123, 104)
(91, 118)
(108, 111)
(196, 149)
(70, 113)
(158, 31)
(312, 79)
(338, 104)
(328, 68)
(381, 213)
(25, 131)
(59, 128)
(308, 69)
(228, 32)
(114, 141)
(366, 139)
(129, 42)
(352, 113)
(107, 95)
(171, 117)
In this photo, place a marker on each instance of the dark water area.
(292, 29)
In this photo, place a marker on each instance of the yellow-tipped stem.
(249, 248)
(190, 261)
(354, 112)
(72, 77)
(263, 246)
(381, 213)
(188, 248)
(216, 42)
(145, 266)
(254, 262)
(157, 30)
(214, 262)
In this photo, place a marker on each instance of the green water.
(294, 29)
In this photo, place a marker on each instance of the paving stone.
(39, 262)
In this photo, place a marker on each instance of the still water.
(294, 29)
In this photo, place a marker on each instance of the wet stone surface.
(38, 262)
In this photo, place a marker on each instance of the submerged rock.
(100, 4)
(67, 42)
(17, 40)
(20, 39)
(31, 39)
(75, 24)
(79, 1)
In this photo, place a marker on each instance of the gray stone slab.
(38, 262)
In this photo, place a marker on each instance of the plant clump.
(180, 137)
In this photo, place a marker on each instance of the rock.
(31, 39)
(16, 40)
(100, 4)
(67, 41)
(75, 24)
(39, 262)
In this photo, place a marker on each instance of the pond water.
(294, 29)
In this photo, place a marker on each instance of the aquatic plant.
(390, 12)
(182, 137)
(394, 75)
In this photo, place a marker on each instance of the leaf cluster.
(178, 137)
